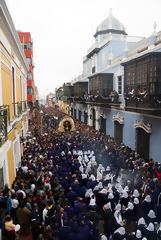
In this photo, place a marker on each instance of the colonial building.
(27, 45)
(13, 97)
(50, 99)
(62, 95)
(124, 88)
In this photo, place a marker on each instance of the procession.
(80, 185)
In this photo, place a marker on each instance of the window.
(93, 69)
(94, 63)
(29, 60)
(152, 88)
(20, 88)
(29, 90)
(29, 76)
(27, 46)
(119, 84)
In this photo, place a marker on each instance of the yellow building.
(50, 99)
(63, 106)
(13, 97)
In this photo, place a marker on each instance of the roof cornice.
(13, 34)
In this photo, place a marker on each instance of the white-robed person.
(159, 232)
(119, 234)
(111, 199)
(151, 217)
(141, 225)
(150, 232)
(118, 218)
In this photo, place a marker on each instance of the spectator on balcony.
(114, 96)
(141, 94)
(131, 92)
(111, 95)
(97, 95)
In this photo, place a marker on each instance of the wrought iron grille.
(4, 118)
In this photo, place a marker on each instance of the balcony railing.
(111, 100)
(4, 120)
(24, 106)
(143, 102)
(17, 108)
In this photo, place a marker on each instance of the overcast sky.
(62, 31)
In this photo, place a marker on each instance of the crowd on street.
(84, 186)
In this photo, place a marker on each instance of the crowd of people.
(84, 186)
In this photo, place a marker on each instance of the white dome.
(110, 23)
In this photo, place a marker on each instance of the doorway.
(118, 131)
(93, 118)
(80, 114)
(85, 118)
(1, 178)
(103, 125)
(75, 113)
(142, 142)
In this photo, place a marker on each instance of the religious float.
(66, 126)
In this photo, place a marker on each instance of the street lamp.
(41, 114)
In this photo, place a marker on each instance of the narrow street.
(80, 185)
(80, 120)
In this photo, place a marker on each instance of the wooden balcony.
(150, 104)
(108, 102)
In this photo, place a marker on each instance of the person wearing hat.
(124, 198)
(146, 205)
(151, 217)
(103, 237)
(111, 199)
(150, 232)
(136, 208)
(159, 232)
(92, 204)
(102, 197)
(141, 225)
(129, 214)
(47, 183)
(118, 219)
(138, 235)
(119, 234)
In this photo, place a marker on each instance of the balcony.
(30, 83)
(17, 109)
(144, 104)
(4, 120)
(30, 98)
(24, 106)
(79, 100)
(28, 53)
(109, 102)
(103, 101)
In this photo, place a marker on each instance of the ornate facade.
(13, 97)
(124, 86)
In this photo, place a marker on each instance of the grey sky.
(62, 31)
